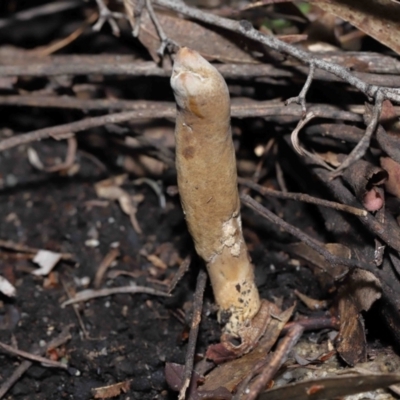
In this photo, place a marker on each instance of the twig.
(279, 357)
(8, 244)
(61, 130)
(110, 257)
(301, 98)
(363, 144)
(165, 111)
(302, 197)
(165, 40)
(107, 16)
(69, 158)
(128, 66)
(45, 9)
(157, 188)
(76, 310)
(44, 361)
(62, 338)
(89, 294)
(314, 324)
(239, 109)
(183, 268)
(138, 11)
(194, 331)
(294, 137)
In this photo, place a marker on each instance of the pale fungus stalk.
(207, 181)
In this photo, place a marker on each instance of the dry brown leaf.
(359, 291)
(106, 392)
(392, 185)
(211, 43)
(377, 18)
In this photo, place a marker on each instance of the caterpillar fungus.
(207, 182)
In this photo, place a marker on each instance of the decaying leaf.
(232, 373)
(331, 388)
(377, 18)
(106, 392)
(365, 179)
(392, 185)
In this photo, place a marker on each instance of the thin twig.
(33, 357)
(138, 12)
(194, 331)
(10, 245)
(279, 357)
(107, 16)
(294, 137)
(362, 146)
(60, 131)
(42, 10)
(301, 98)
(183, 268)
(302, 197)
(86, 295)
(165, 40)
(110, 257)
(166, 111)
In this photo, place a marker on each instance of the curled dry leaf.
(365, 179)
